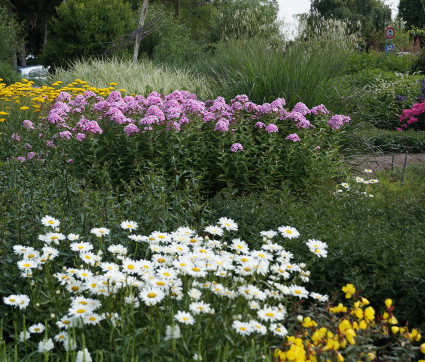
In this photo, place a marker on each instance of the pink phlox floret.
(236, 147)
(154, 99)
(78, 102)
(336, 121)
(193, 106)
(149, 120)
(260, 125)
(183, 120)
(279, 103)
(89, 94)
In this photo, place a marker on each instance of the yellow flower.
(388, 303)
(113, 84)
(338, 309)
(422, 348)
(369, 314)
(2, 119)
(350, 334)
(123, 90)
(365, 301)
(344, 325)
(349, 290)
(395, 329)
(3, 113)
(24, 108)
(309, 323)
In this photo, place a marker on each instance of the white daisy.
(242, 328)
(214, 230)
(81, 246)
(289, 232)
(184, 318)
(227, 224)
(152, 296)
(129, 225)
(36, 328)
(319, 297)
(199, 307)
(99, 232)
(50, 221)
(278, 330)
(73, 237)
(258, 327)
(83, 356)
(45, 345)
(172, 332)
(298, 291)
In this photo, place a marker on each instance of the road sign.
(389, 47)
(389, 33)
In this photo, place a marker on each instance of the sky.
(289, 8)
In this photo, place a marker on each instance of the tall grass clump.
(140, 78)
(304, 69)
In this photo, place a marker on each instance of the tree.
(412, 12)
(370, 17)
(10, 33)
(83, 28)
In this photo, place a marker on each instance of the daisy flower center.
(151, 295)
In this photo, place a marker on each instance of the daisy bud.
(207, 238)
(64, 268)
(300, 318)
(37, 305)
(58, 292)
(302, 265)
(52, 315)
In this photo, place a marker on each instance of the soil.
(385, 162)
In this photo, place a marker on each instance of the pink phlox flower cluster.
(88, 126)
(16, 137)
(130, 129)
(260, 125)
(295, 116)
(64, 96)
(78, 102)
(304, 124)
(293, 137)
(157, 112)
(30, 155)
(28, 124)
(65, 135)
(272, 128)
(172, 125)
(89, 94)
(222, 125)
(236, 147)
(114, 96)
(320, 109)
(300, 107)
(338, 120)
(27, 146)
(154, 99)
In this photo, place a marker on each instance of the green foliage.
(140, 78)
(388, 140)
(389, 62)
(172, 42)
(7, 73)
(243, 19)
(84, 27)
(370, 17)
(9, 36)
(420, 62)
(303, 71)
(412, 12)
(372, 99)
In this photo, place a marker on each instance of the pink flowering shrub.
(241, 144)
(413, 117)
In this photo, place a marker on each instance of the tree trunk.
(46, 29)
(139, 36)
(23, 56)
(178, 7)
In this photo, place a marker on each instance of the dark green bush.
(392, 62)
(375, 243)
(389, 141)
(8, 74)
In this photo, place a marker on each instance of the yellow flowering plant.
(353, 332)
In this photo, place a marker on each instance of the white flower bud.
(300, 318)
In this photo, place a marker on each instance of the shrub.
(387, 62)
(241, 145)
(377, 103)
(83, 29)
(7, 74)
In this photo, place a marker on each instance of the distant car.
(34, 72)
